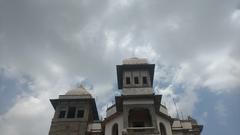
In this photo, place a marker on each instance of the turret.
(135, 76)
(73, 112)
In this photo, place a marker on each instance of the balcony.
(140, 129)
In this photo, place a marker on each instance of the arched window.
(115, 129)
(139, 117)
(162, 129)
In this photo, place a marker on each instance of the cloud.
(182, 90)
(26, 113)
(222, 74)
(58, 44)
(236, 17)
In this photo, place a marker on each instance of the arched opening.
(162, 129)
(139, 117)
(115, 129)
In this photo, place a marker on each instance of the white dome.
(135, 60)
(81, 91)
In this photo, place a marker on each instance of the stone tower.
(138, 102)
(137, 110)
(135, 77)
(73, 112)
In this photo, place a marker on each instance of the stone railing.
(140, 131)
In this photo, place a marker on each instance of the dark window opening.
(144, 79)
(80, 113)
(71, 112)
(136, 80)
(62, 114)
(139, 117)
(115, 129)
(128, 81)
(162, 129)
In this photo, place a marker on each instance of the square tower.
(135, 77)
(74, 111)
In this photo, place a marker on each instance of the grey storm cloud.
(59, 43)
(66, 30)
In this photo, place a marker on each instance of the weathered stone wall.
(70, 126)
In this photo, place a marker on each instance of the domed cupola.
(79, 92)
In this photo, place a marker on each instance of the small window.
(62, 114)
(128, 80)
(80, 113)
(136, 80)
(144, 79)
(71, 112)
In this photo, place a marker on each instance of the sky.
(50, 46)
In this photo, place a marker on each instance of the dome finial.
(81, 86)
(80, 90)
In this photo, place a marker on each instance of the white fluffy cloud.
(61, 43)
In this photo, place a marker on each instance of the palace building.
(137, 111)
